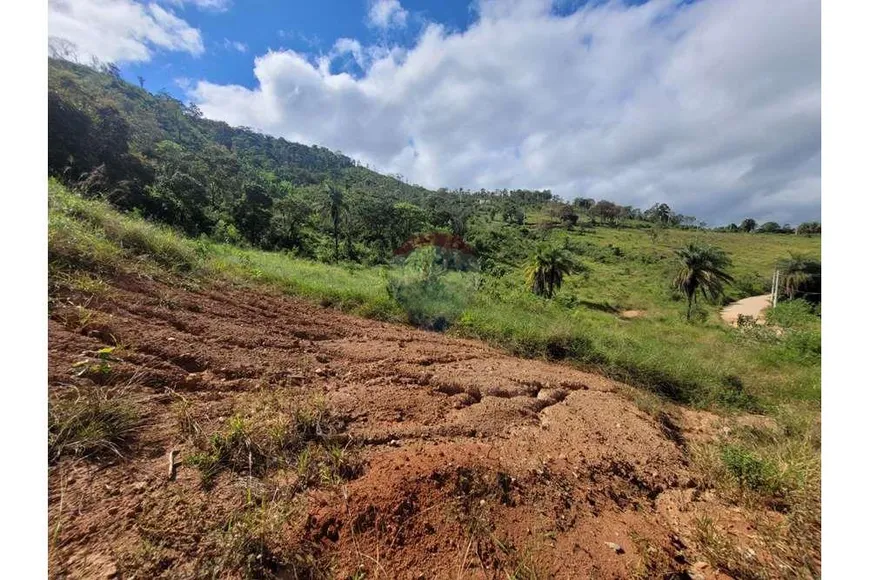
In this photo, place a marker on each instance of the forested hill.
(154, 154)
(159, 157)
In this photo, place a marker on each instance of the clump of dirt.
(464, 462)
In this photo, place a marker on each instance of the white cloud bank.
(713, 107)
(120, 30)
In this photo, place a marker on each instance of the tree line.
(154, 155)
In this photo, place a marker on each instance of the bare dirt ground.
(753, 306)
(475, 464)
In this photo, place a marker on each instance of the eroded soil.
(475, 464)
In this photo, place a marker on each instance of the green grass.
(703, 363)
(280, 432)
(90, 423)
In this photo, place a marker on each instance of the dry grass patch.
(90, 422)
(775, 472)
(304, 435)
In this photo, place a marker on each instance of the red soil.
(477, 464)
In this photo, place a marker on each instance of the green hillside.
(156, 156)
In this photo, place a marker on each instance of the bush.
(793, 314)
(803, 346)
(423, 290)
(750, 285)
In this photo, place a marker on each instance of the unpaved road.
(753, 306)
(477, 464)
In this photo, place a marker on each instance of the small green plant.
(90, 423)
(306, 439)
(751, 472)
(326, 465)
(98, 371)
(231, 448)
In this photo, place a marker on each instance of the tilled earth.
(473, 463)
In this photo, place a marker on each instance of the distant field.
(703, 363)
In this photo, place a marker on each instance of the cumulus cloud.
(119, 30)
(387, 14)
(713, 107)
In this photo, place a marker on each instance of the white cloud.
(713, 107)
(212, 5)
(120, 30)
(387, 14)
(349, 46)
(235, 45)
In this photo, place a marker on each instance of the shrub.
(423, 290)
(750, 285)
(793, 314)
(803, 346)
(731, 394)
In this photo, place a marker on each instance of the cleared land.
(310, 443)
(472, 463)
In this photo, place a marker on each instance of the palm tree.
(334, 208)
(547, 268)
(702, 268)
(798, 272)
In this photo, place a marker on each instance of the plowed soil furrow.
(476, 464)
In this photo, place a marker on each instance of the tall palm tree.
(334, 208)
(547, 268)
(798, 272)
(701, 268)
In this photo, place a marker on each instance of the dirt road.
(753, 306)
(476, 464)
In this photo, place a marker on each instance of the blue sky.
(257, 26)
(712, 106)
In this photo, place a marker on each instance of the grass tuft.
(308, 439)
(258, 543)
(91, 423)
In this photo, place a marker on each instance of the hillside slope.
(431, 455)
(311, 444)
(152, 118)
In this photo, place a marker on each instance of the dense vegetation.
(701, 362)
(159, 157)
